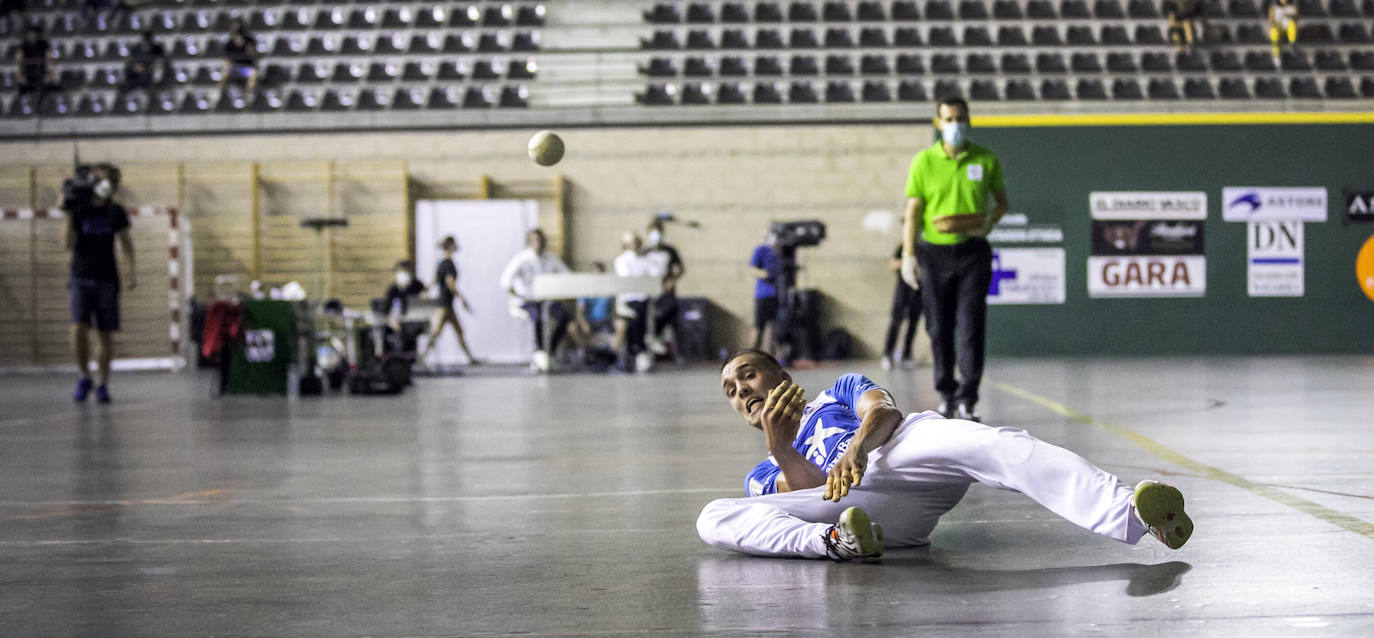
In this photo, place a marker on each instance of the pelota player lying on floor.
(848, 473)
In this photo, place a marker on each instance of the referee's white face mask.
(956, 134)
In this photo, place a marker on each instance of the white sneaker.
(965, 411)
(887, 362)
(908, 364)
(854, 536)
(644, 362)
(944, 410)
(541, 362)
(1160, 508)
(657, 346)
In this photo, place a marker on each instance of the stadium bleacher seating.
(1046, 50)
(390, 55)
(313, 56)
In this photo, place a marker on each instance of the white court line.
(368, 499)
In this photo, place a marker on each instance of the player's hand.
(782, 412)
(466, 306)
(846, 473)
(911, 271)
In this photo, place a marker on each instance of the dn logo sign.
(1275, 238)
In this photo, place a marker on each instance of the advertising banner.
(1358, 206)
(1275, 259)
(1027, 276)
(1148, 205)
(1257, 203)
(1147, 276)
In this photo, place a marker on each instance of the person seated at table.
(518, 281)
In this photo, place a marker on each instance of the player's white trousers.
(920, 474)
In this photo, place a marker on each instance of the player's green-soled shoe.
(854, 536)
(1160, 508)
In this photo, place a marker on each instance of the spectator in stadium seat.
(147, 64)
(1283, 20)
(33, 60)
(1185, 22)
(240, 57)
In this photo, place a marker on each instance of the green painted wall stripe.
(1156, 119)
(1152, 446)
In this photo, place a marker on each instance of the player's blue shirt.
(827, 425)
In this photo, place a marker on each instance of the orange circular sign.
(1364, 268)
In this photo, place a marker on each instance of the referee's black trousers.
(954, 290)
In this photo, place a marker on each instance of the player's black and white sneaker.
(854, 536)
(1160, 508)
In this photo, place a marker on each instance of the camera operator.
(94, 221)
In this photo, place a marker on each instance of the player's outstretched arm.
(878, 419)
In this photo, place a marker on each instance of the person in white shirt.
(632, 309)
(518, 280)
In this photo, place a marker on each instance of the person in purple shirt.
(848, 469)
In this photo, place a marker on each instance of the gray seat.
(911, 91)
(1126, 89)
(1074, 10)
(874, 65)
(872, 37)
(1198, 89)
(983, 91)
(1015, 64)
(1019, 90)
(1121, 62)
(905, 11)
(945, 63)
(1339, 88)
(1233, 88)
(1090, 89)
(871, 11)
(730, 93)
(1006, 10)
(1085, 63)
(1162, 89)
(1108, 10)
(838, 92)
(973, 10)
(839, 65)
(980, 63)
(802, 93)
(876, 92)
(1054, 90)
(938, 10)
(977, 36)
(1270, 89)
(1011, 36)
(1304, 88)
(696, 67)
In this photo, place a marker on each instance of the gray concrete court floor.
(564, 505)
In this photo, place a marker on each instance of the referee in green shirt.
(947, 193)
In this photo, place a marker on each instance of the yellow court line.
(1158, 119)
(1315, 510)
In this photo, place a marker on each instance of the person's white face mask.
(403, 279)
(103, 189)
(655, 237)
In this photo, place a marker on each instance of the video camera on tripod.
(796, 328)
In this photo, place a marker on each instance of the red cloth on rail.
(223, 324)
